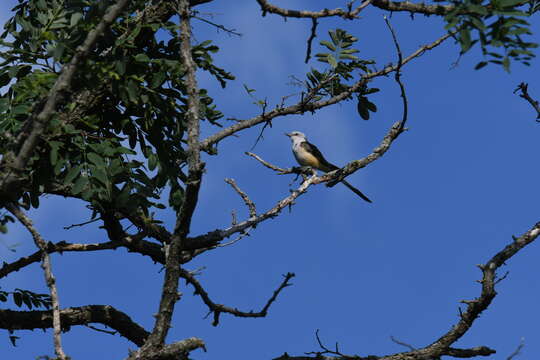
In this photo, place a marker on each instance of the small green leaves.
(28, 298)
(340, 48)
(497, 25)
(364, 107)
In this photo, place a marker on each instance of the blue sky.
(448, 195)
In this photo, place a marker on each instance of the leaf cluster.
(343, 62)
(498, 26)
(117, 138)
(27, 298)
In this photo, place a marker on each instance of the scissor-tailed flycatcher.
(308, 155)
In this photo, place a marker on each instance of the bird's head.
(296, 136)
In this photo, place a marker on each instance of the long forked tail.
(356, 191)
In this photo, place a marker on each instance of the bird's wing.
(324, 164)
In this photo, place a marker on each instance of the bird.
(307, 154)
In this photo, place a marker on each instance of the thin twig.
(268, 165)
(110, 332)
(311, 37)
(81, 224)
(523, 88)
(397, 75)
(217, 309)
(518, 350)
(218, 26)
(49, 277)
(408, 346)
(250, 204)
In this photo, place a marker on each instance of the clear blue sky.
(448, 195)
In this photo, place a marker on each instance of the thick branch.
(103, 314)
(169, 294)
(49, 277)
(217, 309)
(301, 107)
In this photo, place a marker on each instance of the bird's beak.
(289, 135)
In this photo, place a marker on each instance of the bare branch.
(304, 106)
(49, 277)
(349, 14)
(310, 39)
(217, 309)
(69, 227)
(397, 76)
(243, 195)
(214, 237)
(336, 176)
(132, 243)
(523, 88)
(268, 165)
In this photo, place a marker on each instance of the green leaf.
(506, 63)
(332, 61)
(55, 145)
(75, 17)
(101, 175)
(17, 298)
(96, 159)
(465, 40)
(34, 200)
(27, 300)
(329, 45)
(79, 184)
(509, 3)
(142, 58)
(362, 110)
(371, 106)
(72, 174)
(152, 161)
(480, 65)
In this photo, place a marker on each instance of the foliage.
(27, 298)
(129, 100)
(499, 27)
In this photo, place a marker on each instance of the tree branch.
(169, 295)
(301, 107)
(102, 314)
(217, 309)
(49, 277)
(214, 237)
(250, 204)
(349, 14)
